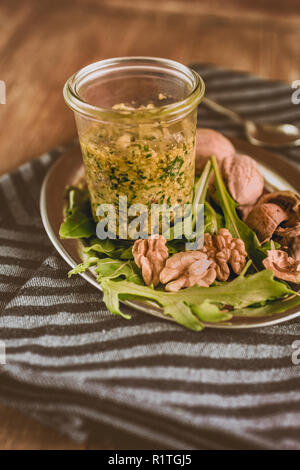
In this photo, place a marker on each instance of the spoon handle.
(222, 110)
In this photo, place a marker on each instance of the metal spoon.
(262, 135)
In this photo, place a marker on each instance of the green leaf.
(175, 246)
(117, 269)
(108, 268)
(119, 249)
(245, 291)
(78, 221)
(106, 247)
(183, 315)
(208, 311)
(270, 245)
(77, 225)
(82, 267)
(178, 310)
(111, 300)
(175, 232)
(234, 224)
(212, 220)
(126, 253)
(269, 308)
(200, 191)
(183, 305)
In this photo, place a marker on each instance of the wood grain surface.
(43, 42)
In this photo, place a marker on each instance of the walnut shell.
(210, 142)
(283, 266)
(243, 179)
(294, 248)
(287, 200)
(264, 220)
(290, 203)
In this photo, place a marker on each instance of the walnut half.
(150, 255)
(225, 251)
(187, 269)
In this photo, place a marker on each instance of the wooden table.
(43, 43)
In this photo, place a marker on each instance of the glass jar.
(136, 120)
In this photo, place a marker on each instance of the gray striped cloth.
(73, 365)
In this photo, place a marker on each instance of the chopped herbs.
(139, 163)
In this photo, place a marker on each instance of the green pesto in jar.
(148, 164)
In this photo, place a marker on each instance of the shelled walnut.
(225, 251)
(187, 269)
(150, 255)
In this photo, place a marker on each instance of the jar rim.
(169, 111)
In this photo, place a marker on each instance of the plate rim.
(91, 279)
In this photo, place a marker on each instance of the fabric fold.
(76, 367)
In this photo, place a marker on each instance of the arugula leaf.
(111, 300)
(116, 269)
(212, 220)
(209, 311)
(270, 245)
(76, 198)
(106, 247)
(108, 268)
(200, 192)
(78, 221)
(234, 224)
(186, 305)
(172, 307)
(77, 225)
(270, 308)
(201, 186)
(119, 249)
(175, 246)
(127, 253)
(82, 267)
(100, 246)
